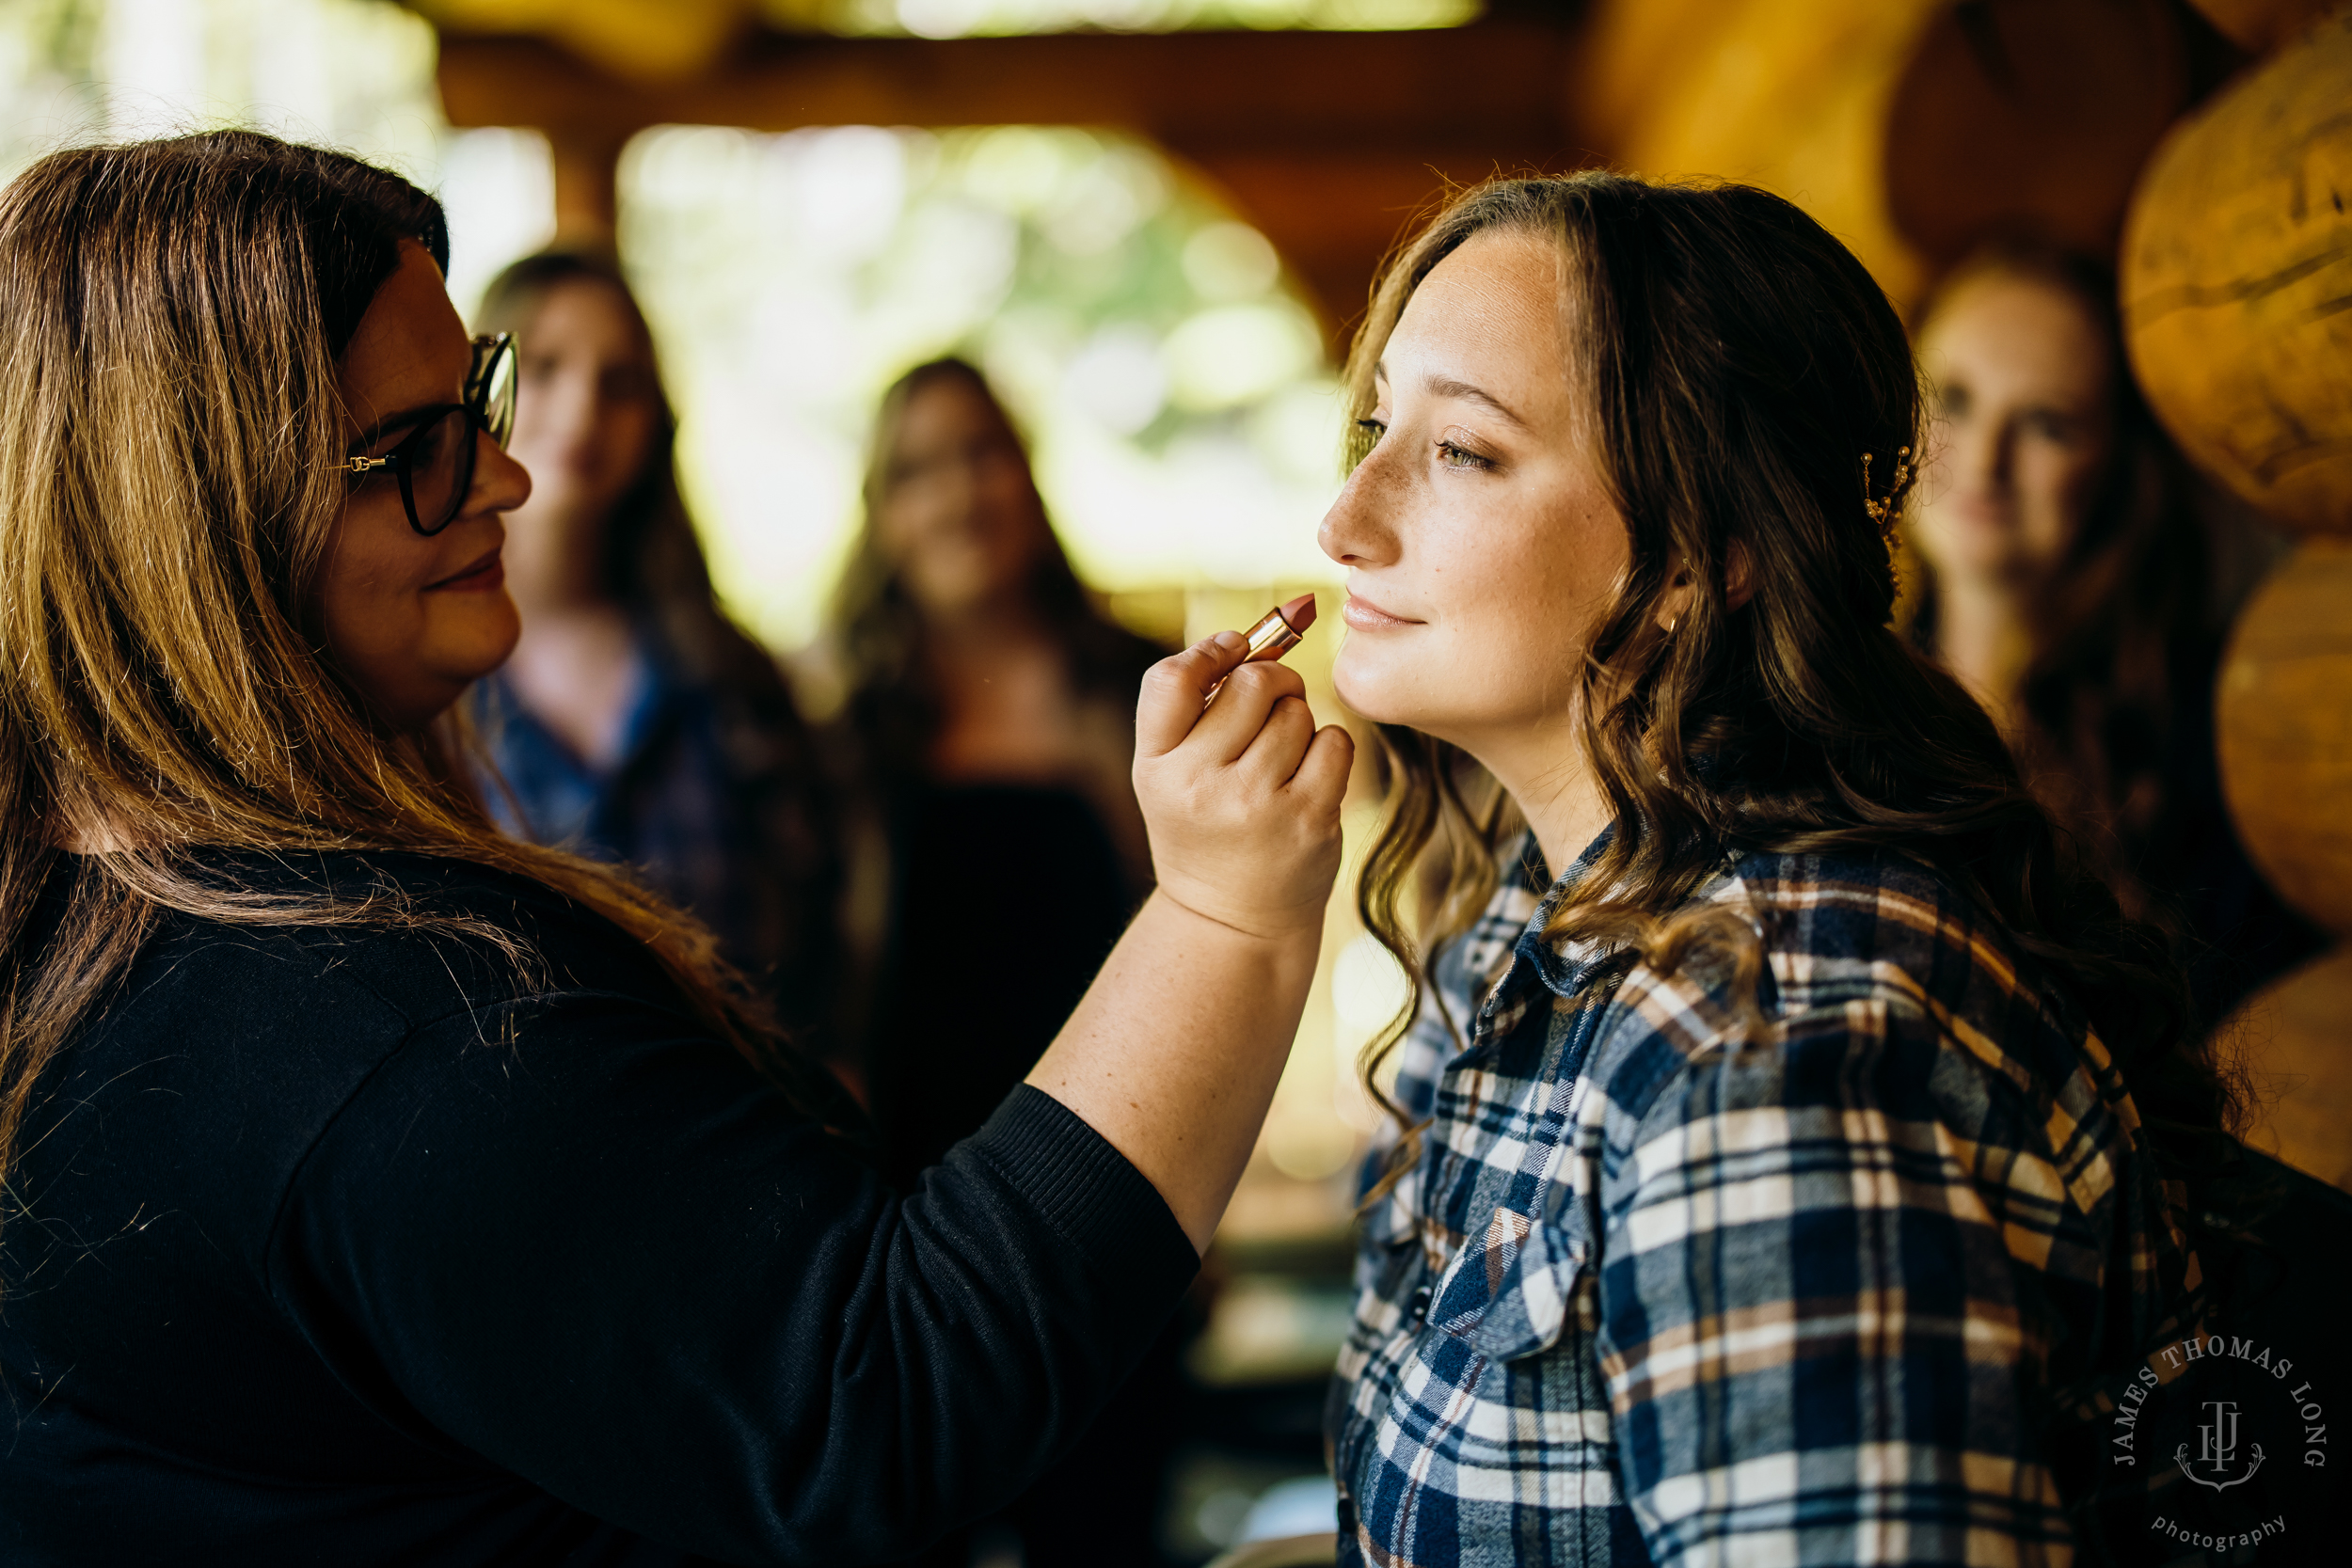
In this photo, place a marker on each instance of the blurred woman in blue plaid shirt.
(1775, 1175)
(635, 723)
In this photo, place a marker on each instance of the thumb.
(1177, 687)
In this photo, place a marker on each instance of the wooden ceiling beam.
(1329, 142)
(1503, 82)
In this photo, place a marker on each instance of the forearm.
(1173, 1054)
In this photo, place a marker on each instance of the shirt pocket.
(1510, 1294)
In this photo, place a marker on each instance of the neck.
(1984, 638)
(980, 629)
(561, 596)
(1550, 780)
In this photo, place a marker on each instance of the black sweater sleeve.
(584, 1241)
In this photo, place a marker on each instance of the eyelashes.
(1451, 454)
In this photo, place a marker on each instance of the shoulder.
(1872, 964)
(1881, 925)
(1901, 1048)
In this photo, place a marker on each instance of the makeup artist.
(381, 1188)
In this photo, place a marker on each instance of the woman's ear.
(1738, 575)
(1676, 601)
(1738, 586)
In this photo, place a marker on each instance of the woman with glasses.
(635, 723)
(376, 1187)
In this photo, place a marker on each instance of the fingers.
(1233, 719)
(1322, 774)
(1272, 754)
(1175, 689)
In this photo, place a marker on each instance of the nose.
(1359, 529)
(1980, 455)
(499, 482)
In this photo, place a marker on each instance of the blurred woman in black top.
(987, 719)
(2067, 578)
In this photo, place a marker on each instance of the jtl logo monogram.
(2217, 1448)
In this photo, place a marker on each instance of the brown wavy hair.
(173, 312)
(1739, 363)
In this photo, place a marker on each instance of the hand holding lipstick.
(1174, 1053)
(1241, 795)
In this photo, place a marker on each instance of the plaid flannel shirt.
(1855, 1291)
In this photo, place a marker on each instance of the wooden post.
(587, 173)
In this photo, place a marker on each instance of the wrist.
(1279, 929)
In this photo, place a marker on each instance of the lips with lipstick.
(484, 572)
(1361, 614)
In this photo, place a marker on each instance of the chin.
(1367, 691)
(480, 642)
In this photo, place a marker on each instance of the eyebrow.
(1449, 387)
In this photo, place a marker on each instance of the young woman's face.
(1479, 536)
(410, 619)
(2021, 369)
(960, 518)
(587, 410)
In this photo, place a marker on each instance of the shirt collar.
(1563, 965)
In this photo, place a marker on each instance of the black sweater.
(339, 1246)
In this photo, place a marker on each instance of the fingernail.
(1229, 641)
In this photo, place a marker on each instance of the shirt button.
(1421, 1304)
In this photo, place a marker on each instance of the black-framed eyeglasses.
(434, 461)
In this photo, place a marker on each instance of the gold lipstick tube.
(1271, 638)
(1277, 632)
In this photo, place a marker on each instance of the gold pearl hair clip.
(1881, 510)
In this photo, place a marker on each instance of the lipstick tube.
(1277, 633)
(1273, 636)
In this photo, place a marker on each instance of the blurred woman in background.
(986, 730)
(987, 720)
(635, 723)
(2067, 588)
